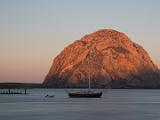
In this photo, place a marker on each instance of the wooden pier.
(12, 91)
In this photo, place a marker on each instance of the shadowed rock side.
(115, 61)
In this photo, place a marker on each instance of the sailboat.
(86, 93)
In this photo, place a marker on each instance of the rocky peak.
(115, 61)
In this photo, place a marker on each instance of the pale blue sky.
(33, 32)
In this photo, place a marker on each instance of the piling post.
(25, 91)
(9, 90)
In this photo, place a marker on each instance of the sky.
(33, 32)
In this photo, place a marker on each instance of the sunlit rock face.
(111, 59)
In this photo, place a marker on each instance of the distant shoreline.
(20, 85)
(7, 85)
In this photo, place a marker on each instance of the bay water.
(115, 104)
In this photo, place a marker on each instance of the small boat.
(86, 93)
(49, 96)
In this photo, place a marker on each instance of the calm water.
(114, 105)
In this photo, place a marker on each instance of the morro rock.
(111, 59)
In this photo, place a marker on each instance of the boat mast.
(89, 81)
